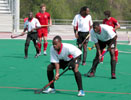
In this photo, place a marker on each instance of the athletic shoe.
(113, 76)
(91, 74)
(37, 55)
(49, 90)
(45, 53)
(81, 93)
(83, 63)
(25, 57)
(101, 62)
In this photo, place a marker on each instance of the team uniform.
(63, 57)
(29, 25)
(43, 32)
(103, 38)
(82, 25)
(111, 22)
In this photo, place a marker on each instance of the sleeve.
(74, 22)
(93, 36)
(53, 57)
(38, 23)
(75, 52)
(103, 21)
(110, 31)
(49, 17)
(91, 22)
(25, 24)
(115, 21)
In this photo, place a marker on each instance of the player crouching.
(60, 56)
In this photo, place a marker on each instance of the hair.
(96, 24)
(42, 5)
(83, 9)
(107, 12)
(57, 37)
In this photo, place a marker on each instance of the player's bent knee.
(50, 67)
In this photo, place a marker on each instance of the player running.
(30, 25)
(44, 19)
(114, 23)
(103, 35)
(60, 55)
(82, 24)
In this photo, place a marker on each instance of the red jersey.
(111, 22)
(43, 18)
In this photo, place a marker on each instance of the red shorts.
(42, 32)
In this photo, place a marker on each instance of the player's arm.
(50, 22)
(75, 32)
(57, 71)
(98, 50)
(117, 26)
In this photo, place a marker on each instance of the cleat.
(45, 53)
(113, 76)
(37, 55)
(91, 74)
(83, 63)
(81, 93)
(25, 57)
(101, 62)
(49, 90)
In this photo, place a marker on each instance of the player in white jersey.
(30, 25)
(82, 24)
(60, 56)
(103, 35)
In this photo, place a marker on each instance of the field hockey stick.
(92, 68)
(90, 48)
(104, 54)
(80, 45)
(40, 90)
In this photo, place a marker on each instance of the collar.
(30, 20)
(59, 52)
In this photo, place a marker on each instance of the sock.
(113, 66)
(50, 75)
(39, 45)
(78, 80)
(102, 54)
(45, 46)
(116, 55)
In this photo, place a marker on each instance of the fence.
(126, 24)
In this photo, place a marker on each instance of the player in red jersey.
(44, 19)
(114, 23)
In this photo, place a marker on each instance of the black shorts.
(64, 64)
(32, 35)
(103, 44)
(82, 36)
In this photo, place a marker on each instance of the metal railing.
(69, 21)
(11, 5)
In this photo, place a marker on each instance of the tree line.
(67, 9)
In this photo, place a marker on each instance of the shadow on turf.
(97, 77)
(57, 92)
(14, 56)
